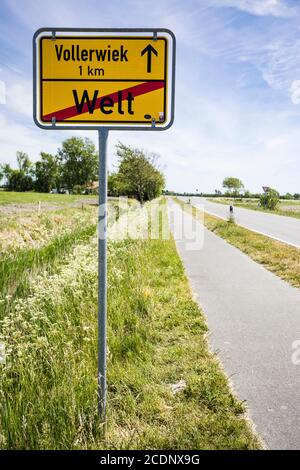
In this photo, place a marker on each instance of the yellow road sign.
(117, 79)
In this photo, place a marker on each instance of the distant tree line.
(269, 199)
(234, 187)
(76, 163)
(75, 166)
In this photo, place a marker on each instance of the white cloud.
(280, 63)
(15, 136)
(19, 98)
(269, 44)
(277, 8)
(295, 92)
(247, 130)
(2, 92)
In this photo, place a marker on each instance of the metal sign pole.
(60, 103)
(102, 272)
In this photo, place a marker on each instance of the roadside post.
(103, 79)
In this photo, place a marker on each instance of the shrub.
(270, 199)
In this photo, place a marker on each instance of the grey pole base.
(102, 272)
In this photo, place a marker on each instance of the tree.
(115, 186)
(21, 179)
(270, 199)
(47, 173)
(233, 185)
(138, 174)
(79, 161)
(24, 163)
(6, 171)
(155, 183)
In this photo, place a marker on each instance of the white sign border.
(134, 31)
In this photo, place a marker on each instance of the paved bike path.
(254, 319)
(279, 227)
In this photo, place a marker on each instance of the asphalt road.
(254, 321)
(286, 229)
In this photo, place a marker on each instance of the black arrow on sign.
(149, 49)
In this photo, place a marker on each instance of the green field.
(10, 197)
(156, 338)
(289, 208)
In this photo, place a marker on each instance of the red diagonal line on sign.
(136, 90)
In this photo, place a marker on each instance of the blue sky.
(237, 86)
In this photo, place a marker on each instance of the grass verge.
(156, 337)
(281, 210)
(279, 258)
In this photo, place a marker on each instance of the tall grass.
(33, 230)
(16, 269)
(156, 337)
